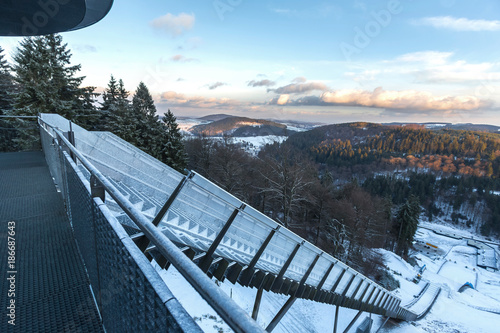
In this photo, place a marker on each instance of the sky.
(322, 61)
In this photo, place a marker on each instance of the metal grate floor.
(52, 291)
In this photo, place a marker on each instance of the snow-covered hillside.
(448, 266)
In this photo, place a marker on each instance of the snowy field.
(448, 267)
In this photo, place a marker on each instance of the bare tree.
(286, 180)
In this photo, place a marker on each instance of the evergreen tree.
(46, 79)
(407, 224)
(86, 113)
(108, 111)
(172, 151)
(46, 83)
(146, 127)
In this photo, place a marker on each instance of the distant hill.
(410, 146)
(215, 117)
(462, 127)
(240, 126)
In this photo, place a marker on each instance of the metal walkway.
(49, 285)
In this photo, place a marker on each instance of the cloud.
(174, 99)
(458, 24)
(283, 99)
(181, 58)
(299, 79)
(261, 83)
(438, 67)
(300, 88)
(428, 57)
(216, 85)
(174, 25)
(409, 100)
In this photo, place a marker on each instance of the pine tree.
(147, 130)
(407, 224)
(172, 151)
(46, 79)
(46, 83)
(108, 116)
(86, 113)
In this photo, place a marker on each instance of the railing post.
(97, 190)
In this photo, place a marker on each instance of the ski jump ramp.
(188, 221)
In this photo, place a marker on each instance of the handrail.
(229, 311)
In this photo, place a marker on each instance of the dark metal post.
(207, 259)
(385, 321)
(279, 279)
(71, 139)
(357, 288)
(262, 248)
(280, 314)
(292, 299)
(323, 280)
(344, 293)
(304, 278)
(143, 242)
(247, 274)
(336, 319)
(338, 280)
(353, 321)
(256, 305)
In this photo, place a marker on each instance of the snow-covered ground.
(449, 266)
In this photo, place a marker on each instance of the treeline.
(286, 185)
(447, 151)
(42, 79)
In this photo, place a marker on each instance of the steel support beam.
(335, 323)
(246, 276)
(385, 321)
(279, 279)
(353, 321)
(300, 289)
(207, 259)
(364, 292)
(367, 303)
(341, 275)
(143, 242)
(322, 282)
(357, 288)
(344, 293)
(292, 298)
(272, 325)
(256, 305)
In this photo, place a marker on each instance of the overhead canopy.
(42, 17)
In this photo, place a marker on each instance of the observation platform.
(48, 282)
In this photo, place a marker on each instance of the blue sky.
(328, 61)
